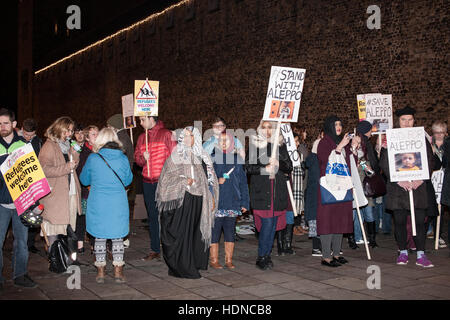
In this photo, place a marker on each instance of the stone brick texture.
(213, 57)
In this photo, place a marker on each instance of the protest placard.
(284, 94)
(288, 136)
(407, 154)
(24, 178)
(146, 95)
(129, 120)
(376, 108)
(437, 178)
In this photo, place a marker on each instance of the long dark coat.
(332, 218)
(312, 165)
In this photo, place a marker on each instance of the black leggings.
(400, 231)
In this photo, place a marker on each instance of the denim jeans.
(289, 217)
(228, 225)
(386, 218)
(149, 190)
(366, 215)
(20, 248)
(266, 235)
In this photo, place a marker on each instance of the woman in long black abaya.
(186, 194)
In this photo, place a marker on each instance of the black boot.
(261, 263)
(280, 236)
(372, 234)
(351, 241)
(269, 262)
(289, 231)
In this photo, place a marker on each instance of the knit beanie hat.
(116, 121)
(364, 127)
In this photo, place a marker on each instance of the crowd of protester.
(194, 191)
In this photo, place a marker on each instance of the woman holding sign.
(268, 197)
(398, 199)
(187, 197)
(335, 219)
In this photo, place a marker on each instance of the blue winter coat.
(233, 194)
(107, 215)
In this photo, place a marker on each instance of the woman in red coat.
(333, 220)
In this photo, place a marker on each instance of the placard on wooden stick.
(376, 108)
(284, 94)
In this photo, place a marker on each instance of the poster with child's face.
(284, 94)
(377, 109)
(129, 122)
(407, 154)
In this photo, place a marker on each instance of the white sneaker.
(442, 243)
(360, 242)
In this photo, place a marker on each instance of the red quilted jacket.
(160, 146)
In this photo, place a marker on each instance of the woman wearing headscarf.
(268, 197)
(187, 196)
(333, 220)
(234, 198)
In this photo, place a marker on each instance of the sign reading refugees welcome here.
(146, 100)
(24, 178)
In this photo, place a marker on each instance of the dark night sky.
(99, 18)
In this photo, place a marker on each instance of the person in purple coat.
(333, 220)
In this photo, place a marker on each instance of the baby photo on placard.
(407, 154)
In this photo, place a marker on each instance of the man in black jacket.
(28, 132)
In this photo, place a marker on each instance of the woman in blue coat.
(233, 198)
(107, 172)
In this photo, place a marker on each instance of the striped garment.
(298, 188)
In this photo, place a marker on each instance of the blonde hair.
(57, 128)
(105, 136)
(89, 128)
(439, 124)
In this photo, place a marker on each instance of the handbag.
(126, 189)
(374, 186)
(336, 186)
(60, 253)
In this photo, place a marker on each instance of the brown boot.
(214, 256)
(118, 274)
(100, 278)
(229, 249)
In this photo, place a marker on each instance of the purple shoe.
(424, 262)
(402, 258)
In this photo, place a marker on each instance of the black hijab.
(330, 130)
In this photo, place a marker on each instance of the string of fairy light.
(99, 42)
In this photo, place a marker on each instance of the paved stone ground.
(297, 277)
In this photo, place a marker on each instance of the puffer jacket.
(160, 146)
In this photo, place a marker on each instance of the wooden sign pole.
(413, 215)
(275, 145)
(362, 225)
(438, 223)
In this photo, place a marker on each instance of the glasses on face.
(218, 125)
(439, 132)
